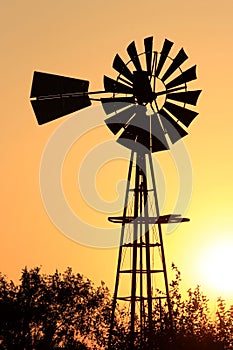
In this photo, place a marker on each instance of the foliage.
(55, 311)
(66, 311)
(193, 326)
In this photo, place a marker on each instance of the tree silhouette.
(45, 312)
(66, 311)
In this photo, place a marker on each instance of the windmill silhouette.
(147, 109)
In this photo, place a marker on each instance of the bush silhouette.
(66, 311)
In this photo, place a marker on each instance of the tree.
(66, 311)
(45, 312)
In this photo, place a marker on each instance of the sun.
(216, 266)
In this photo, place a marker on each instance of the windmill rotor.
(138, 86)
(151, 79)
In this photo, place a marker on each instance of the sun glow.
(216, 266)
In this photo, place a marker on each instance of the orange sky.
(80, 39)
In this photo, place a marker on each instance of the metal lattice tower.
(147, 256)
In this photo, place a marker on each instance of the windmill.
(146, 108)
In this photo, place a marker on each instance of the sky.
(80, 39)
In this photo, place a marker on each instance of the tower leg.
(135, 249)
(147, 241)
(161, 242)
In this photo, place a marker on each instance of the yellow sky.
(80, 39)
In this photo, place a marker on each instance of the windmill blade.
(119, 120)
(132, 51)
(174, 130)
(167, 45)
(143, 134)
(183, 114)
(46, 84)
(189, 97)
(184, 77)
(120, 67)
(176, 63)
(136, 139)
(142, 89)
(159, 142)
(136, 135)
(148, 44)
(144, 139)
(114, 104)
(111, 85)
(47, 110)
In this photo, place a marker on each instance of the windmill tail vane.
(148, 108)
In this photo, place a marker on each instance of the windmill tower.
(147, 108)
